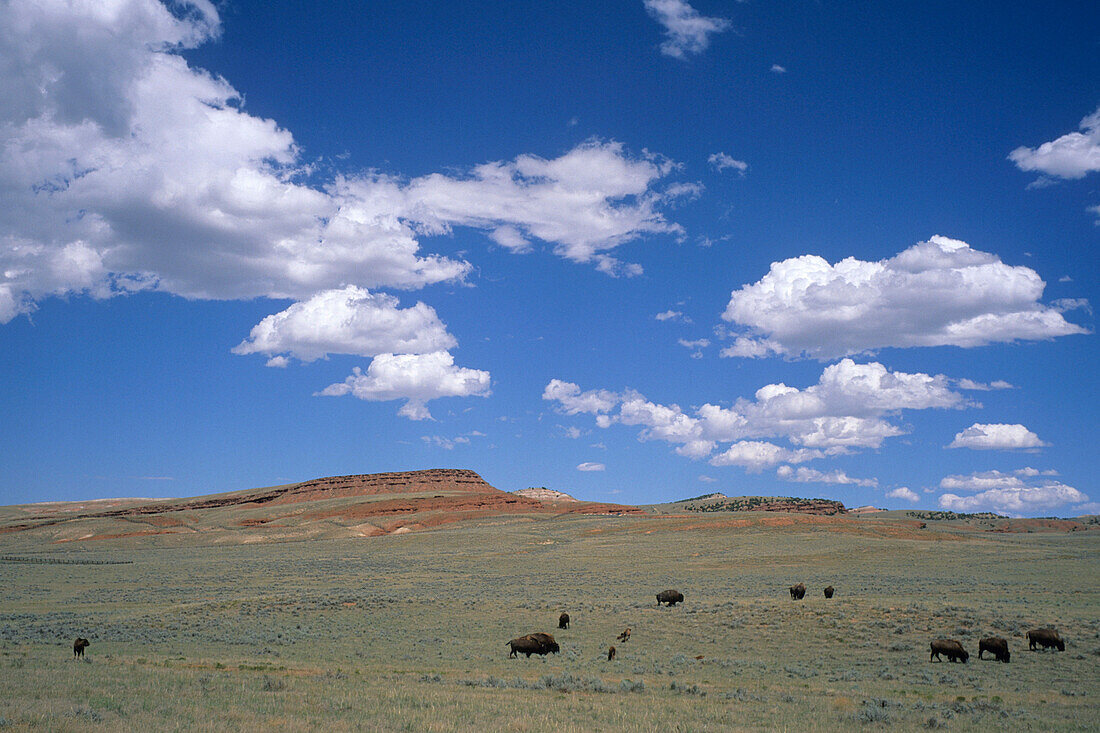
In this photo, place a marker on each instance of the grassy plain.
(408, 631)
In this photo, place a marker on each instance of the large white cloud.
(1072, 155)
(124, 168)
(936, 293)
(996, 436)
(349, 320)
(1022, 492)
(850, 408)
(686, 30)
(417, 378)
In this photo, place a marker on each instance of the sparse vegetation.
(764, 504)
(949, 516)
(408, 631)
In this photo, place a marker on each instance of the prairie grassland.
(408, 632)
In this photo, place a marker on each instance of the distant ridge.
(866, 509)
(541, 493)
(718, 502)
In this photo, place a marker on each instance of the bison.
(563, 621)
(949, 647)
(539, 643)
(1046, 638)
(997, 646)
(625, 636)
(610, 653)
(798, 592)
(78, 647)
(829, 592)
(671, 597)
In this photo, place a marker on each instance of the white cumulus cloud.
(1073, 155)
(573, 401)
(686, 31)
(416, 378)
(903, 492)
(936, 293)
(349, 320)
(809, 475)
(756, 455)
(588, 466)
(850, 408)
(1025, 491)
(996, 436)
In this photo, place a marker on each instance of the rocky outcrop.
(541, 493)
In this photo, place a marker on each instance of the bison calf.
(951, 648)
(625, 636)
(1045, 638)
(671, 597)
(563, 621)
(829, 592)
(798, 592)
(997, 646)
(79, 646)
(610, 653)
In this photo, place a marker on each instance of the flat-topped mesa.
(399, 482)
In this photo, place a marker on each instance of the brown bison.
(798, 592)
(829, 592)
(610, 653)
(79, 646)
(1045, 638)
(671, 597)
(539, 643)
(625, 636)
(949, 647)
(995, 645)
(563, 621)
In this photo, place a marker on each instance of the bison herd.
(542, 644)
(995, 645)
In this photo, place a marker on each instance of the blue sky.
(635, 251)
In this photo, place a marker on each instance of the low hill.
(721, 503)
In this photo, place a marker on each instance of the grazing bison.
(539, 643)
(1046, 638)
(829, 592)
(996, 646)
(671, 597)
(798, 592)
(610, 653)
(79, 646)
(625, 636)
(563, 621)
(949, 647)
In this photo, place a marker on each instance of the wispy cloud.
(686, 31)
